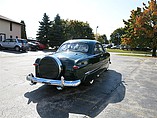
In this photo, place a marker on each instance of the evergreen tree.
(23, 30)
(43, 34)
(57, 31)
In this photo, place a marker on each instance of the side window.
(7, 40)
(10, 40)
(98, 49)
(13, 40)
(101, 48)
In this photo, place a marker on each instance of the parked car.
(107, 45)
(32, 46)
(17, 44)
(141, 48)
(125, 47)
(40, 46)
(75, 62)
(115, 47)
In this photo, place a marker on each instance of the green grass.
(134, 55)
(131, 53)
(128, 51)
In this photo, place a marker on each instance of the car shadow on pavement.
(79, 101)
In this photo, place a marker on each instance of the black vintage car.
(75, 62)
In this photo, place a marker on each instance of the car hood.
(71, 55)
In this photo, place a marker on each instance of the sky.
(108, 15)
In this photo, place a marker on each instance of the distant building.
(9, 28)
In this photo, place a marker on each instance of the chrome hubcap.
(59, 88)
(91, 82)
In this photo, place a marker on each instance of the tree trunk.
(154, 52)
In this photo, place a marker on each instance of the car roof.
(82, 40)
(14, 38)
(22, 39)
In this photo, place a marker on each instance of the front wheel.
(91, 82)
(88, 82)
(17, 48)
(108, 63)
(1, 47)
(29, 48)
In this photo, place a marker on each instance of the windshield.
(76, 47)
(22, 41)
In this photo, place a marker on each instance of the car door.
(5, 43)
(96, 59)
(103, 56)
(12, 43)
(99, 55)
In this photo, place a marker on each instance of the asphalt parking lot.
(127, 90)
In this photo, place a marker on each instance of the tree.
(63, 30)
(103, 39)
(146, 24)
(44, 30)
(80, 29)
(57, 31)
(129, 37)
(116, 36)
(23, 30)
(143, 24)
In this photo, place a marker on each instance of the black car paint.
(88, 63)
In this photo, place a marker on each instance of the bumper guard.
(61, 82)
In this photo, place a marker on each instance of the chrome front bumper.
(61, 82)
